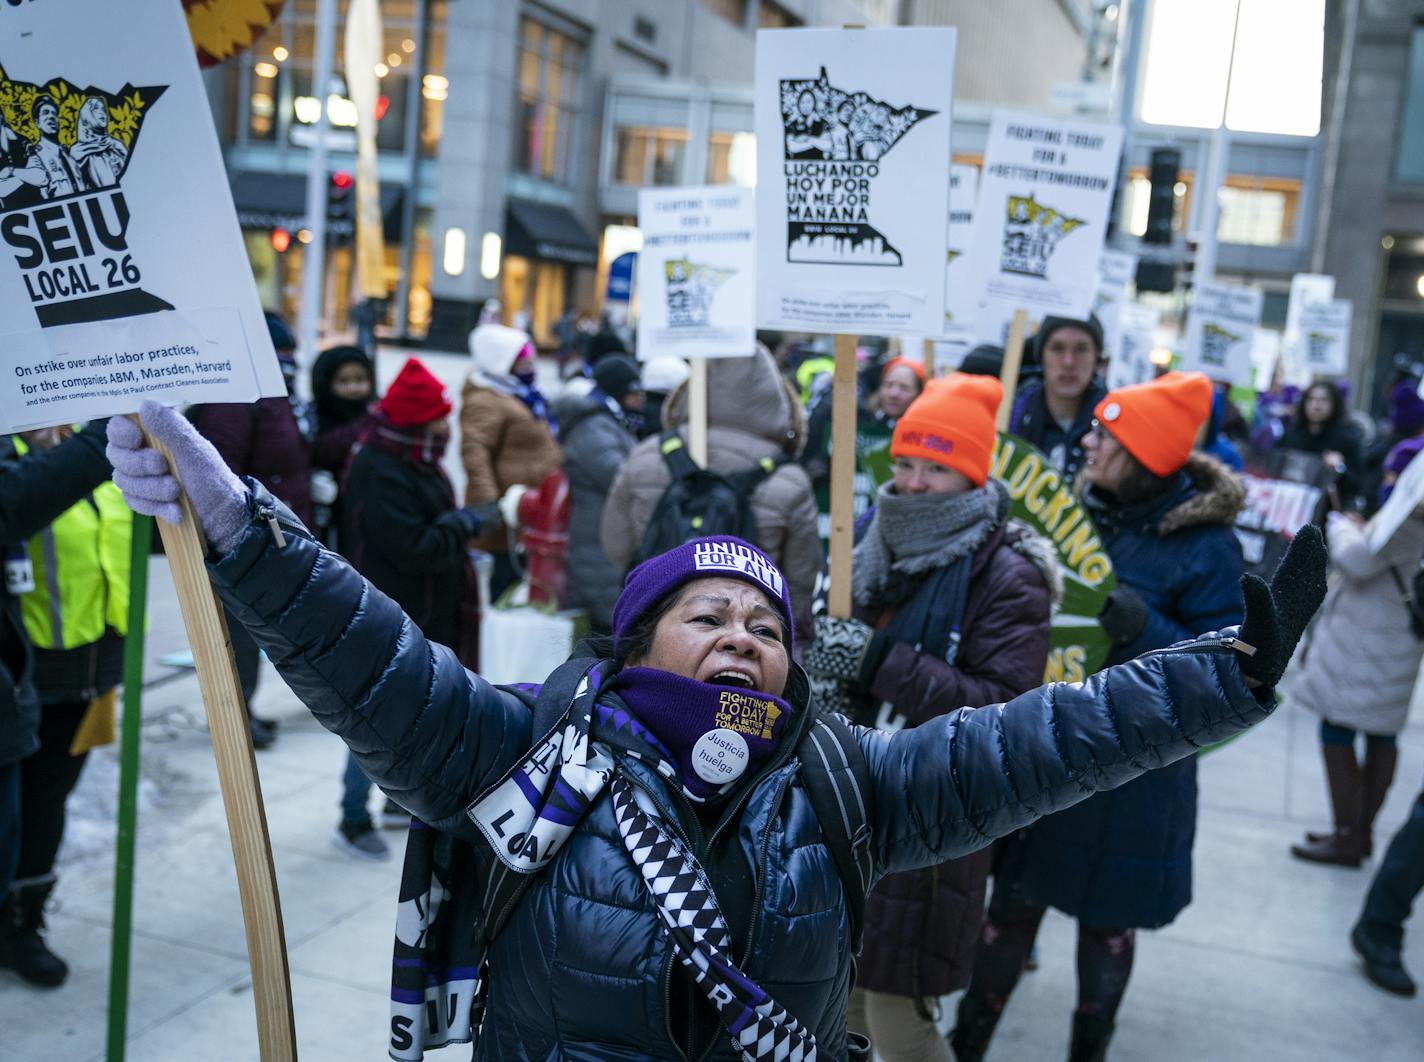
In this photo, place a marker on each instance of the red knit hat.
(952, 424)
(415, 397)
(1157, 422)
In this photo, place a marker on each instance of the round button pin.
(1112, 411)
(720, 756)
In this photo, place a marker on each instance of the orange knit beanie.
(1157, 422)
(952, 424)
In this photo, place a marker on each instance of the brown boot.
(1381, 757)
(1346, 784)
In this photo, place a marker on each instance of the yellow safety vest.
(81, 564)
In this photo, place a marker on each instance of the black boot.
(1090, 1038)
(22, 945)
(973, 1028)
(1384, 963)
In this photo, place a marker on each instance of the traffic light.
(340, 204)
(1158, 272)
(281, 240)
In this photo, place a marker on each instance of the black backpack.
(699, 502)
(833, 772)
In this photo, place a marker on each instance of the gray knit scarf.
(910, 534)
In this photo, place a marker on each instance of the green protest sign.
(1044, 501)
(872, 468)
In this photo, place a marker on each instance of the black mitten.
(1123, 616)
(1277, 615)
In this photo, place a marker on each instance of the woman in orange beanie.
(1122, 860)
(952, 604)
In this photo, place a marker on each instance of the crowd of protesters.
(952, 605)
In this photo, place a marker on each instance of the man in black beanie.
(1056, 413)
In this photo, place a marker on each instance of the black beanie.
(1052, 324)
(984, 360)
(617, 375)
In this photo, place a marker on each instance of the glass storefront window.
(669, 149)
(1260, 211)
(644, 155)
(275, 89)
(548, 72)
(421, 258)
(630, 158)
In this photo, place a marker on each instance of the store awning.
(545, 230)
(279, 201)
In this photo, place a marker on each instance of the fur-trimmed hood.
(1219, 498)
(1039, 552)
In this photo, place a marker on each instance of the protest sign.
(1306, 288)
(1131, 361)
(1116, 271)
(1325, 336)
(853, 141)
(1041, 498)
(961, 301)
(123, 277)
(1275, 510)
(1041, 216)
(1221, 328)
(1265, 356)
(114, 206)
(696, 279)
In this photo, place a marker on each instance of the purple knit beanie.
(719, 555)
(1406, 408)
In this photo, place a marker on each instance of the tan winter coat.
(1361, 659)
(751, 414)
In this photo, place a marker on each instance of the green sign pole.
(128, 788)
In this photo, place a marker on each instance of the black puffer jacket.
(582, 970)
(34, 490)
(400, 530)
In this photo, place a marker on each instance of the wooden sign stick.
(843, 413)
(237, 776)
(697, 411)
(929, 359)
(1009, 373)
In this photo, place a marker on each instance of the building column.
(474, 157)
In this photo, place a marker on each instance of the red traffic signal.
(281, 240)
(342, 179)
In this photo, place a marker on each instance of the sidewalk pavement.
(1258, 966)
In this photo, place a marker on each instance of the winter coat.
(1338, 435)
(583, 969)
(1360, 663)
(751, 415)
(33, 491)
(263, 440)
(501, 443)
(595, 447)
(1031, 420)
(1124, 858)
(400, 531)
(922, 926)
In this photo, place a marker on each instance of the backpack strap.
(551, 703)
(675, 455)
(837, 779)
(749, 479)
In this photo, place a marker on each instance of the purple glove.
(218, 496)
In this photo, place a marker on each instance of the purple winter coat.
(921, 926)
(262, 440)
